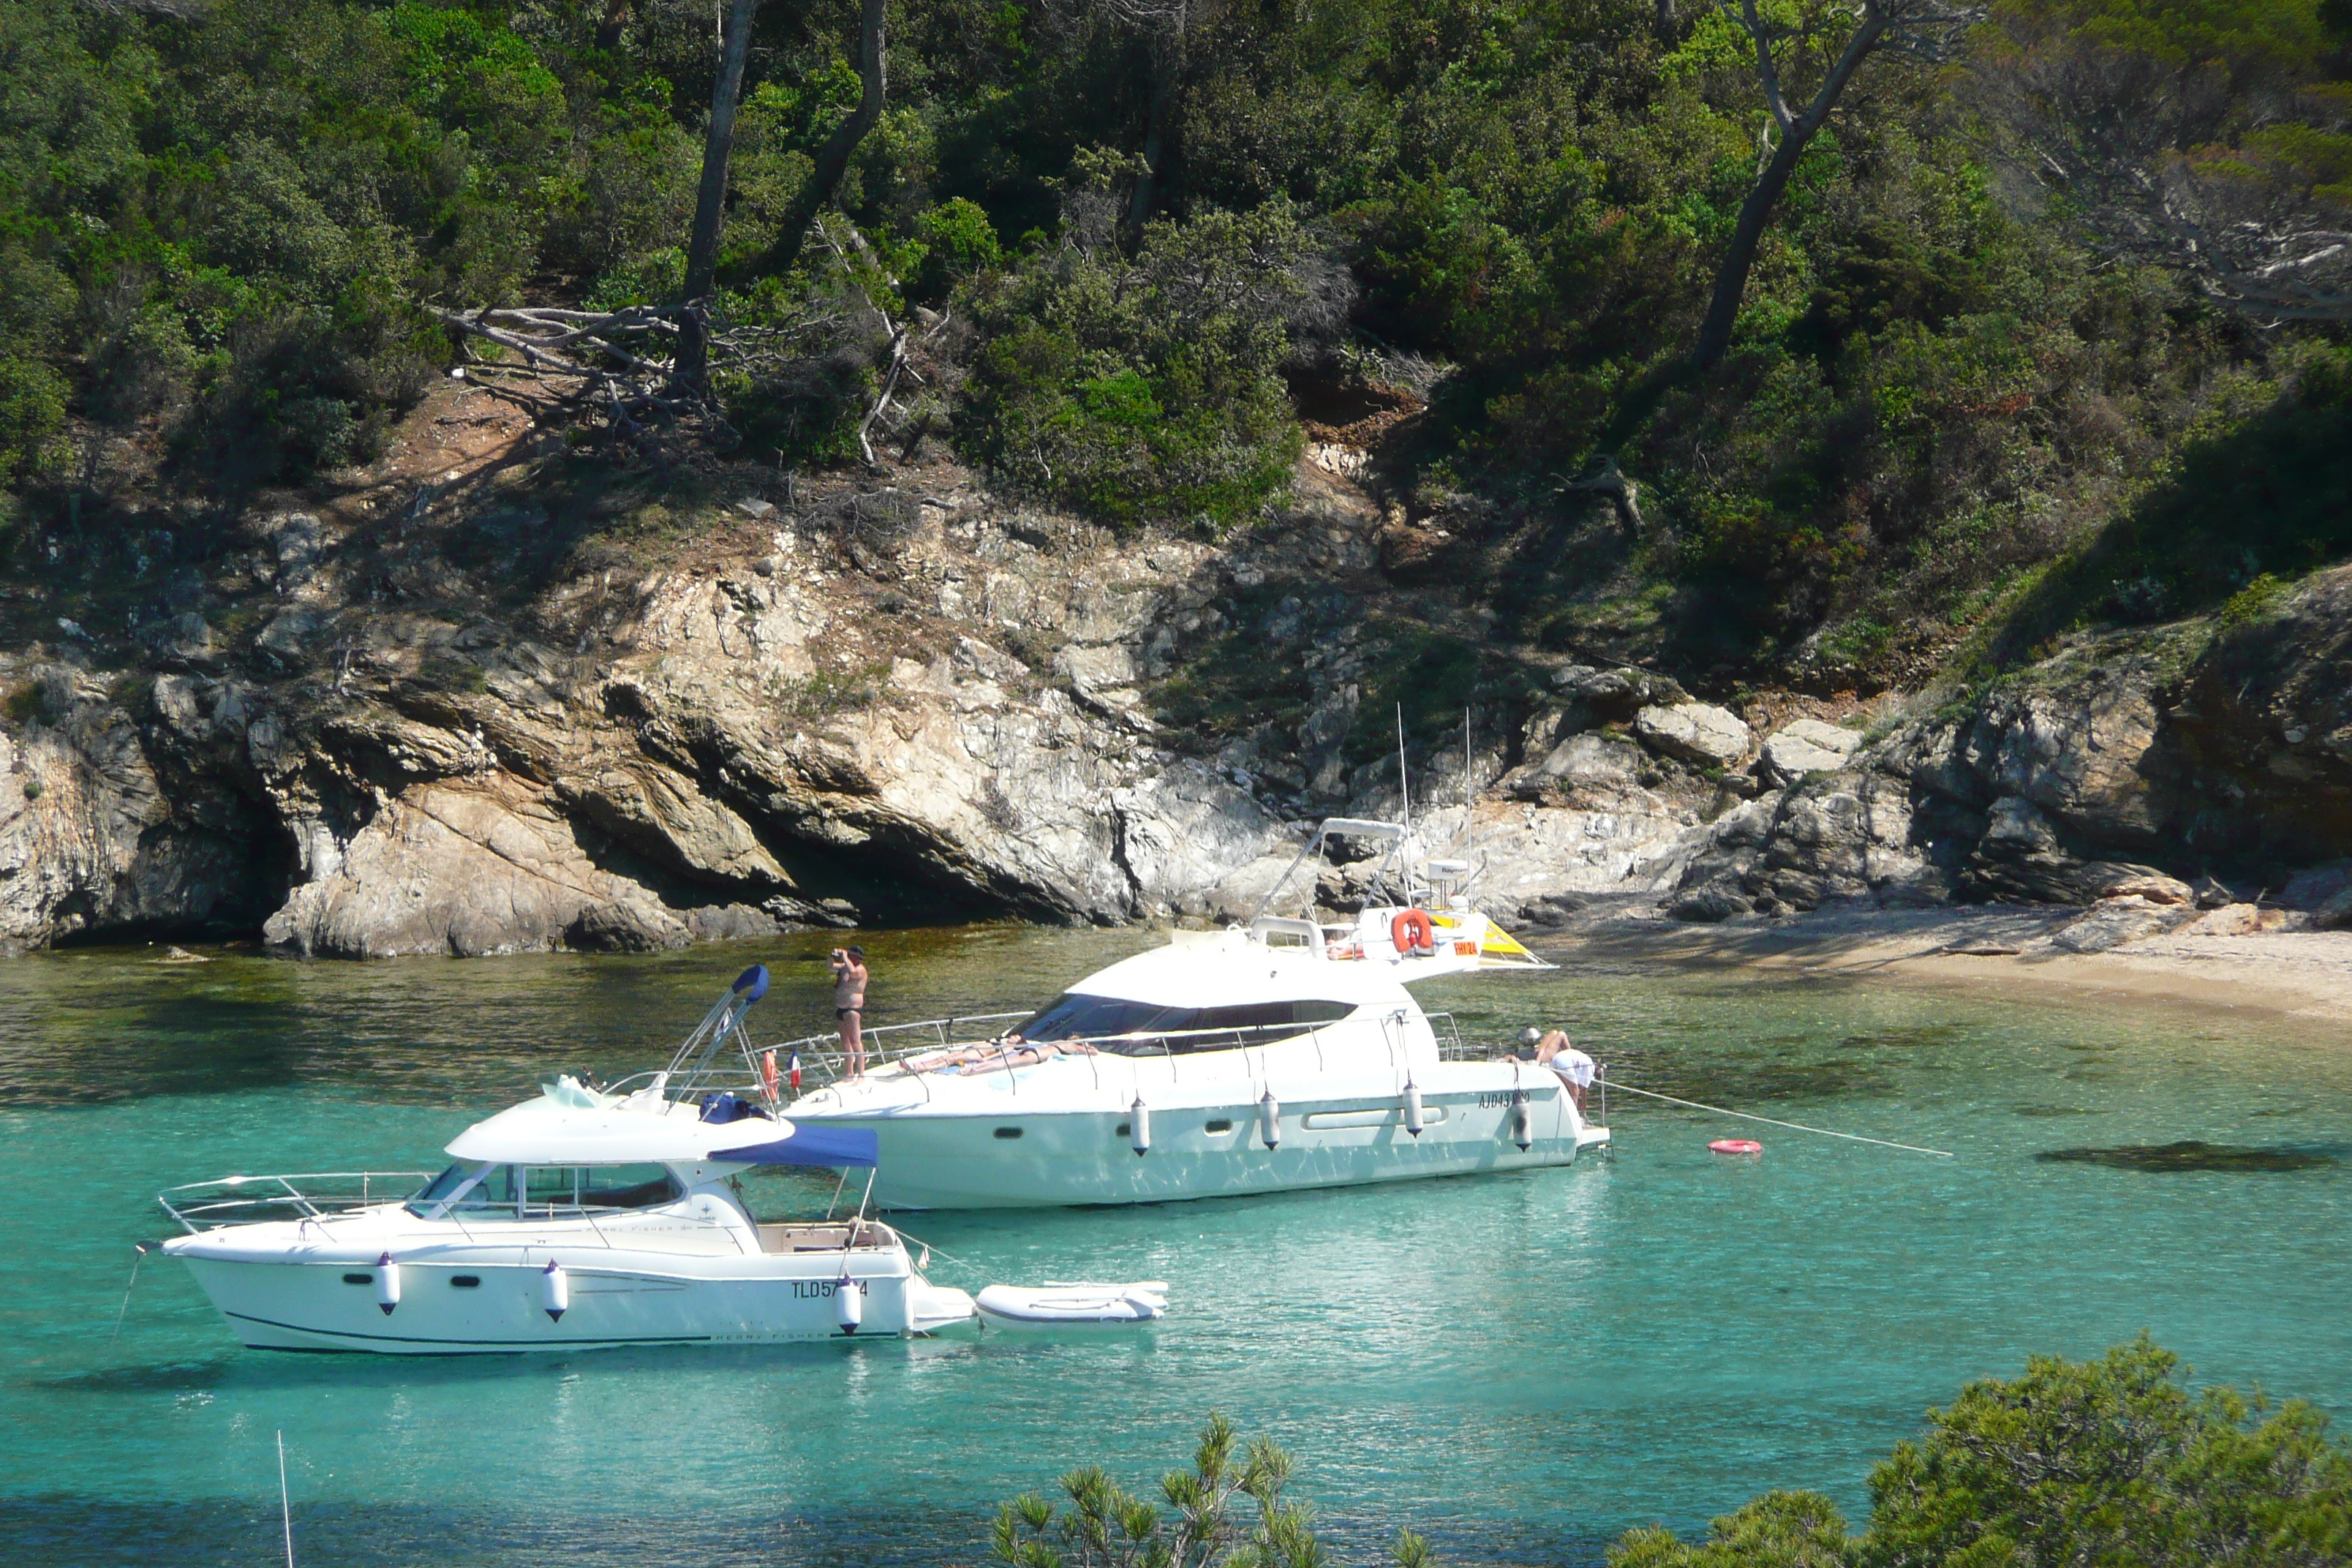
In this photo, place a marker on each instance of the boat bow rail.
(200, 1206)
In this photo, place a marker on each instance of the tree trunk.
(1167, 65)
(710, 200)
(616, 17)
(1731, 276)
(833, 158)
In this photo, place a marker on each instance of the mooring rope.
(975, 1268)
(1795, 1126)
(139, 1248)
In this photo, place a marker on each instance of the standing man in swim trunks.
(849, 1005)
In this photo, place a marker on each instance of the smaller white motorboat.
(580, 1220)
(1073, 1304)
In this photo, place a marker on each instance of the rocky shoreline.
(917, 703)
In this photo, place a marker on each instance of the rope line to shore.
(1796, 1126)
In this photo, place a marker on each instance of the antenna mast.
(1465, 784)
(1404, 783)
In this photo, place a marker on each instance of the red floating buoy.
(1735, 1146)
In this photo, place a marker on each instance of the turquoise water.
(1522, 1366)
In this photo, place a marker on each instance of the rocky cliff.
(388, 720)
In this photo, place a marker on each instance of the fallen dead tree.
(843, 347)
(622, 364)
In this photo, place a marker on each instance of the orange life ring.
(1735, 1146)
(1413, 933)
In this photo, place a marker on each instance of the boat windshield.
(546, 1189)
(1136, 1028)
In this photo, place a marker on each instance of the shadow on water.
(2191, 1154)
(266, 1369)
(59, 1530)
(1741, 1078)
(101, 1025)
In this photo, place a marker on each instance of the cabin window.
(553, 1189)
(1121, 1131)
(465, 1282)
(1146, 1028)
(1221, 1125)
(359, 1279)
(546, 1187)
(628, 1186)
(1008, 1132)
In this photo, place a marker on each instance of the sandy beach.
(2303, 975)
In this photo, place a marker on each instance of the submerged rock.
(2191, 1154)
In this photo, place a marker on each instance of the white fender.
(1413, 1119)
(387, 1284)
(848, 1304)
(1522, 1122)
(1139, 1126)
(555, 1291)
(1269, 1120)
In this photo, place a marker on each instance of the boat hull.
(1074, 1158)
(309, 1305)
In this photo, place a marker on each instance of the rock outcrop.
(904, 704)
(2104, 776)
(1697, 732)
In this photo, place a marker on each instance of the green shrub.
(1143, 387)
(2254, 602)
(2108, 1461)
(1226, 1512)
(959, 241)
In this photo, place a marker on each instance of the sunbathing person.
(996, 1055)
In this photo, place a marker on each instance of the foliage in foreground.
(2097, 1464)
(1221, 1514)
(2092, 1463)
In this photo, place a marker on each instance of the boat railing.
(824, 1062)
(312, 1195)
(1447, 1028)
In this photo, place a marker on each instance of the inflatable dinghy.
(1073, 1304)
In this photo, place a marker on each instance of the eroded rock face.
(91, 839)
(722, 765)
(745, 745)
(467, 871)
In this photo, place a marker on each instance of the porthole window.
(359, 1279)
(1221, 1125)
(466, 1281)
(1008, 1132)
(1120, 1130)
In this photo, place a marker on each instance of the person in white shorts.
(1552, 1050)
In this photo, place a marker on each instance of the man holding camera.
(849, 1006)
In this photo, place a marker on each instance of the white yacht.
(580, 1220)
(1281, 1054)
